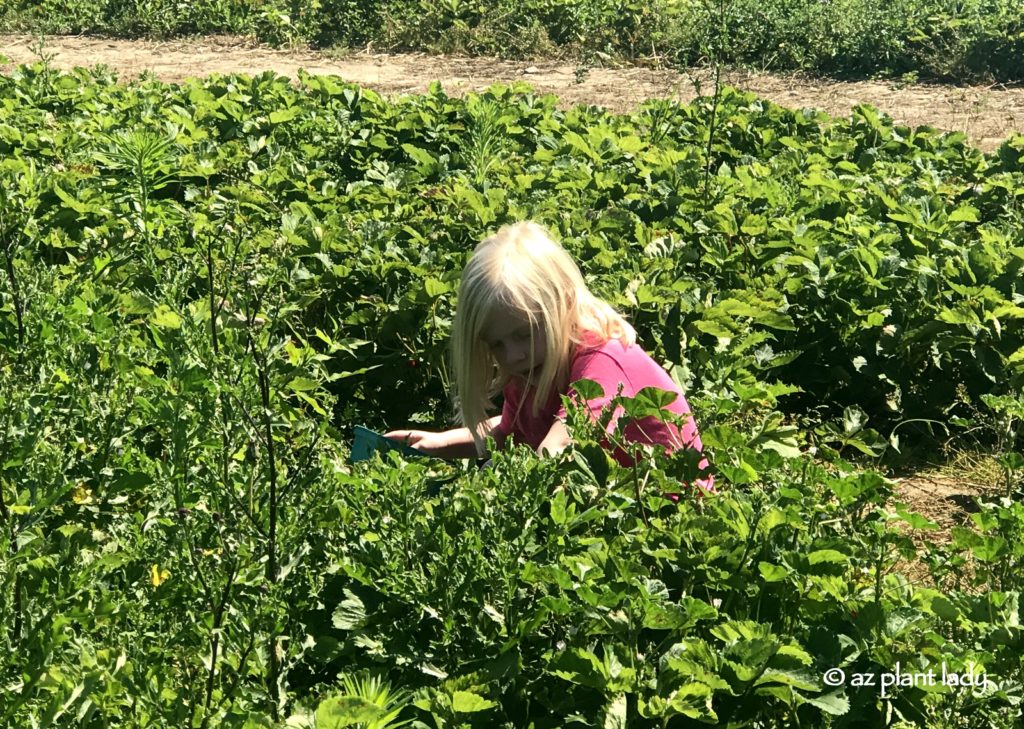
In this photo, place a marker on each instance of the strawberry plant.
(206, 285)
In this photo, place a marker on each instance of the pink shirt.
(608, 364)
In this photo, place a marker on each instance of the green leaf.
(350, 613)
(984, 548)
(615, 713)
(686, 614)
(132, 481)
(285, 115)
(165, 318)
(431, 670)
(1011, 461)
(352, 373)
(558, 507)
(317, 408)
(854, 420)
(466, 702)
(964, 213)
(915, 520)
(342, 711)
(648, 402)
(72, 201)
(690, 698)
(714, 328)
(754, 225)
(830, 556)
(797, 679)
(945, 609)
(303, 384)
(834, 703)
(436, 288)
(594, 459)
(580, 666)
(588, 389)
(775, 436)
(772, 572)
(423, 158)
(68, 530)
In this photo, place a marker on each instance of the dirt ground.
(948, 501)
(987, 115)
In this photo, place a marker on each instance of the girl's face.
(507, 335)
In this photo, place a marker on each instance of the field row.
(972, 40)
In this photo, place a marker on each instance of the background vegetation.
(967, 40)
(206, 285)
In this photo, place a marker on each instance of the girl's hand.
(434, 444)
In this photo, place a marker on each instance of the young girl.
(527, 325)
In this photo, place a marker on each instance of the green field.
(959, 41)
(206, 285)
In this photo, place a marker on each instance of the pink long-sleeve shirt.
(609, 364)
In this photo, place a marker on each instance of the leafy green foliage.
(189, 307)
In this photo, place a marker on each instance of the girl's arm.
(455, 443)
(556, 441)
(460, 441)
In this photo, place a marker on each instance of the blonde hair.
(522, 269)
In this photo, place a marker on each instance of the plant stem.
(16, 628)
(214, 307)
(716, 61)
(19, 357)
(878, 583)
(230, 693)
(5, 515)
(140, 170)
(218, 617)
(19, 305)
(264, 384)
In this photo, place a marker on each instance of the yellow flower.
(158, 576)
(81, 495)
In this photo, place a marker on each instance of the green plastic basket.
(367, 442)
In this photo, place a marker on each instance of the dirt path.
(987, 115)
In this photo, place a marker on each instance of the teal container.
(367, 442)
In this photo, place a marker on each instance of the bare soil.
(987, 115)
(946, 495)
(946, 500)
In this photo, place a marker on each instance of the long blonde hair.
(522, 269)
